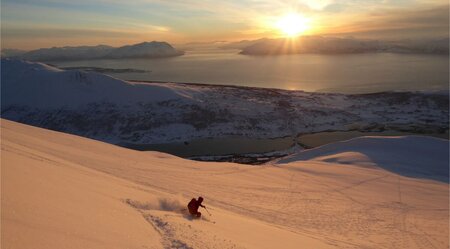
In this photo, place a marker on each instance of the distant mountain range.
(152, 49)
(336, 45)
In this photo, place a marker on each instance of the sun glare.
(292, 24)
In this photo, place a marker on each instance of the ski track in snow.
(365, 219)
(305, 212)
(176, 229)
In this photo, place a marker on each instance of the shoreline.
(239, 149)
(237, 86)
(198, 84)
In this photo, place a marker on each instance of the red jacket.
(194, 205)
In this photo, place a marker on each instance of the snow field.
(60, 190)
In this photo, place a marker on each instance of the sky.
(31, 24)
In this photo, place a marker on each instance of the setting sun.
(292, 24)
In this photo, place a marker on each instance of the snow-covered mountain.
(7, 52)
(144, 50)
(152, 49)
(60, 190)
(101, 107)
(338, 45)
(67, 53)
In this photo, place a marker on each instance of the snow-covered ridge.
(152, 49)
(44, 87)
(144, 50)
(415, 156)
(338, 45)
(108, 109)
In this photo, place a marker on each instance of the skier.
(194, 205)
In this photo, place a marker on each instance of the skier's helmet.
(200, 199)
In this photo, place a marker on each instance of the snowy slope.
(415, 156)
(149, 113)
(60, 190)
(41, 86)
(51, 200)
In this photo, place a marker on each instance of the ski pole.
(207, 211)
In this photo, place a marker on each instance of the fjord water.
(344, 73)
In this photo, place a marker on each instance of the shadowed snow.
(413, 156)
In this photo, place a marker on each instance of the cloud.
(195, 20)
(396, 24)
(317, 4)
